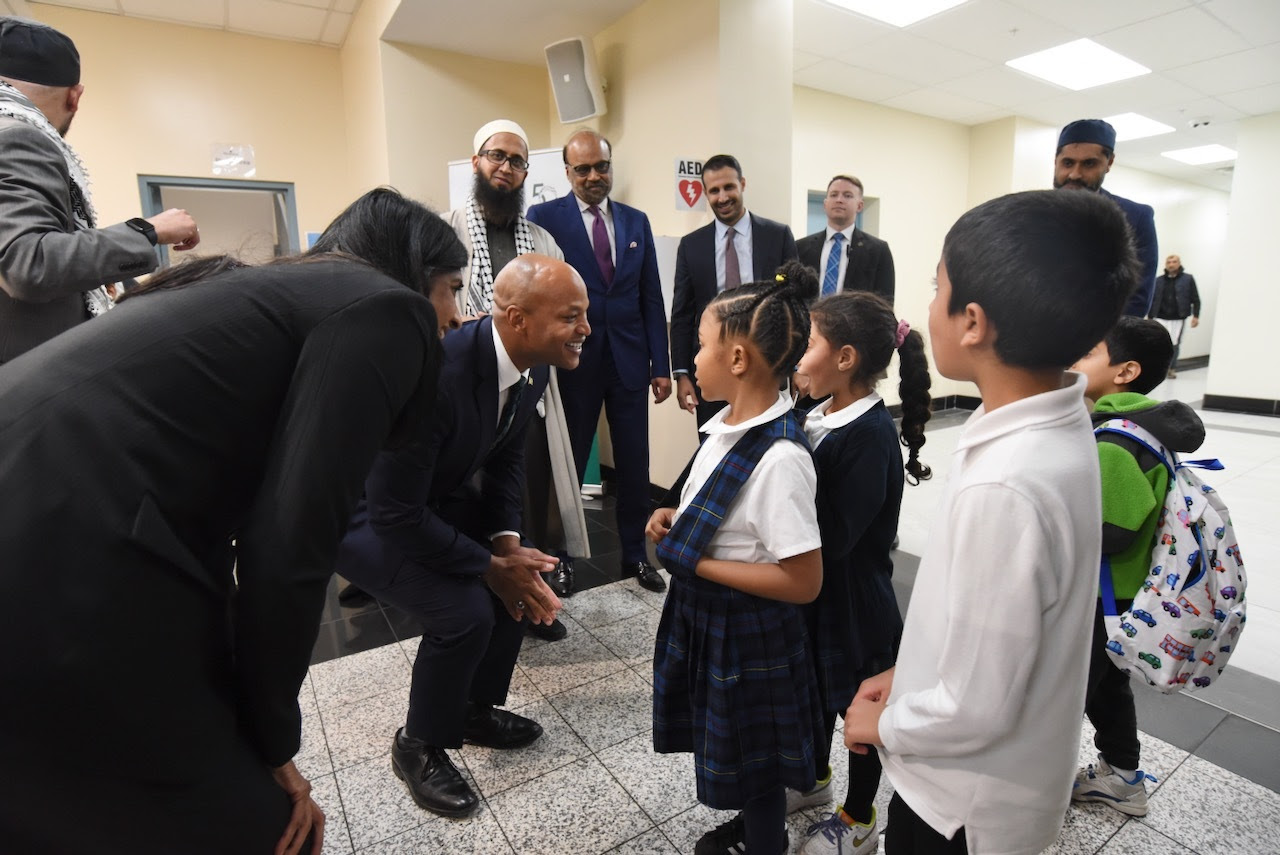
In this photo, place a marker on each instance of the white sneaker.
(819, 795)
(1101, 783)
(833, 836)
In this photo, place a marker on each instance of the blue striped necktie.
(833, 265)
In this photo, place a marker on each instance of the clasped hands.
(862, 719)
(515, 576)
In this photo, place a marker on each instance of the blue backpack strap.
(1157, 453)
(1107, 588)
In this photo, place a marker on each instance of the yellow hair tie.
(780, 278)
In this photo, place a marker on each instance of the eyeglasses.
(584, 170)
(518, 163)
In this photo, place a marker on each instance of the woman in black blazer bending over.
(222, 417)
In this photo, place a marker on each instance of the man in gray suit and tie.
(55, 263)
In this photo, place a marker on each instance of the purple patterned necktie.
(600, 243)
(732, 271)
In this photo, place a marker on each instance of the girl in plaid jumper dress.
(855, 624)
(733, 676)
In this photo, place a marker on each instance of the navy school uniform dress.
(733, 674)
(855, 624)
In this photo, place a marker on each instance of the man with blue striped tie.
(845, 257)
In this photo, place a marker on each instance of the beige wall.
(437, 100)
(1249, 302)
(661, 63)
(919, 169)
(363, 97)
(159, 96)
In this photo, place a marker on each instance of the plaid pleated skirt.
(734, 684)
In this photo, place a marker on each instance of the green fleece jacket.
(1134, 481)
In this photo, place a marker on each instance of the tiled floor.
(592, 784)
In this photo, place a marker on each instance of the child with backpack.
(855, 625)
(733, 675)
(1120, 370)
(979, 719)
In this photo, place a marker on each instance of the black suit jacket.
(772, 244)
(436, 501)
(870, 262)
(133, 450)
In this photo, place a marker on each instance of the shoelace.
(833, 828)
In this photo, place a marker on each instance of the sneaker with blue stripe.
(1100, 783)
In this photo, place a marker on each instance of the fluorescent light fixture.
(1132, 126)
(1201, 154)
(898, 13)
(1077, 65)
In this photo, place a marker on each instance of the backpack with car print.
(1187, 618)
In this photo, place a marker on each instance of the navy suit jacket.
(1142, 219)
(771, 244)
(870, 262)
(424, 502)
(628, 317)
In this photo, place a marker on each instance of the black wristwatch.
(142, 227)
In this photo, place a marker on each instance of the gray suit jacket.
(45, 264)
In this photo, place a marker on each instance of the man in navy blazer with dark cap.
(438, 535)
(1086, 150)
(611, 246)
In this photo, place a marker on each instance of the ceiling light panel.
(1077, 65)
(899, 13)
(1201, 154)
(1133, 126)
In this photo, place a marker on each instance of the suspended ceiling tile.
(95, 5)
(914, 59)
(1090, 17)
(832, 76)
(1259, 66)
(1000, 85)
(827, 31)
(944, 105)
(275, 18)
(1258, 21)
(346, 5)
(1176, 39)
(199, 13)
(993, 29)
(335, 29)
(803, 59)
(1256, 101)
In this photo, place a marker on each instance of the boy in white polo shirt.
(979, 722)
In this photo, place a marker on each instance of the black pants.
(864, 773)
(908, 834)
(1108, 700)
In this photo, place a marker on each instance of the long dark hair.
(865, 322)
(395, 235)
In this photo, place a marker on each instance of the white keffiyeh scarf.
(480, 288)
(16, 105)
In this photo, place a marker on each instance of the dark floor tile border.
(1245, 748)
(1234, 404)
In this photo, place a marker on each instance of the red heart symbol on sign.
(690, 191)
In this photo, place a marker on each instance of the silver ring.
(519, 605)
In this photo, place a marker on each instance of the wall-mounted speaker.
(574, 80)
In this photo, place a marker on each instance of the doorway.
(254, 221)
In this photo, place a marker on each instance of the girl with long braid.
(854, 624)
(734, 682)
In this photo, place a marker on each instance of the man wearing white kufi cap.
(493, 227)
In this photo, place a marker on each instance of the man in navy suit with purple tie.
(611, 247)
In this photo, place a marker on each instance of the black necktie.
(509, 411)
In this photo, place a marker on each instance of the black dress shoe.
(643, 570)
(495, 728)
(434, 782)
(352, 596)
(561, 578)
(554, 632)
